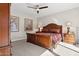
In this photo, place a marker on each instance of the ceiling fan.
(37, 7)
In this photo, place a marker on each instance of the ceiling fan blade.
(43, 7)
(31, 7)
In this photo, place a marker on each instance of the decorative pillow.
(54, 30)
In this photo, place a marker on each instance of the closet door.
(5, 51)
(0, 31)
(4, 24)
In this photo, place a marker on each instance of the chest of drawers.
(69, 38)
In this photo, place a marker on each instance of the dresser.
(4, 30)
(69, 38)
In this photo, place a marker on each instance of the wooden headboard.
(52, 27)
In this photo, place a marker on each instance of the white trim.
(18, 39)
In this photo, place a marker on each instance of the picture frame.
(14, 23)
(28, 24)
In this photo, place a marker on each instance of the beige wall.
(71, 15)
(21, 34)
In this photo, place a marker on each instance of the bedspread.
(56, 37)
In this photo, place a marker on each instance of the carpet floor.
(23, 48)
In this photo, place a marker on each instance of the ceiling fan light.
(37, 11)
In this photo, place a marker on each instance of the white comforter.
(63, 49)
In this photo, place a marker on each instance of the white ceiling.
(21, 8)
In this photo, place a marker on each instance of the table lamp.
(68, 24)
(40, 26)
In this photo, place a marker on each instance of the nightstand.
(69, 38)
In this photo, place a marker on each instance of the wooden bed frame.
(52, 26)
(42, 38)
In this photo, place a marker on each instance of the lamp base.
(68, 30)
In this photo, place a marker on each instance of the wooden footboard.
(41, 39)
(44, 40)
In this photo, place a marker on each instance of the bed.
(47, 37)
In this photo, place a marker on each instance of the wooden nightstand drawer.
(69, 42)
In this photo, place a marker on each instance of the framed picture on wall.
(14, 23)
(28, 24)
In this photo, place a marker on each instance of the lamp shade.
(40, 27)
(68, 23)
(39, 24)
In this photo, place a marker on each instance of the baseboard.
(17, 39)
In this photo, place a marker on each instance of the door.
(5, 51)
(4, 24)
